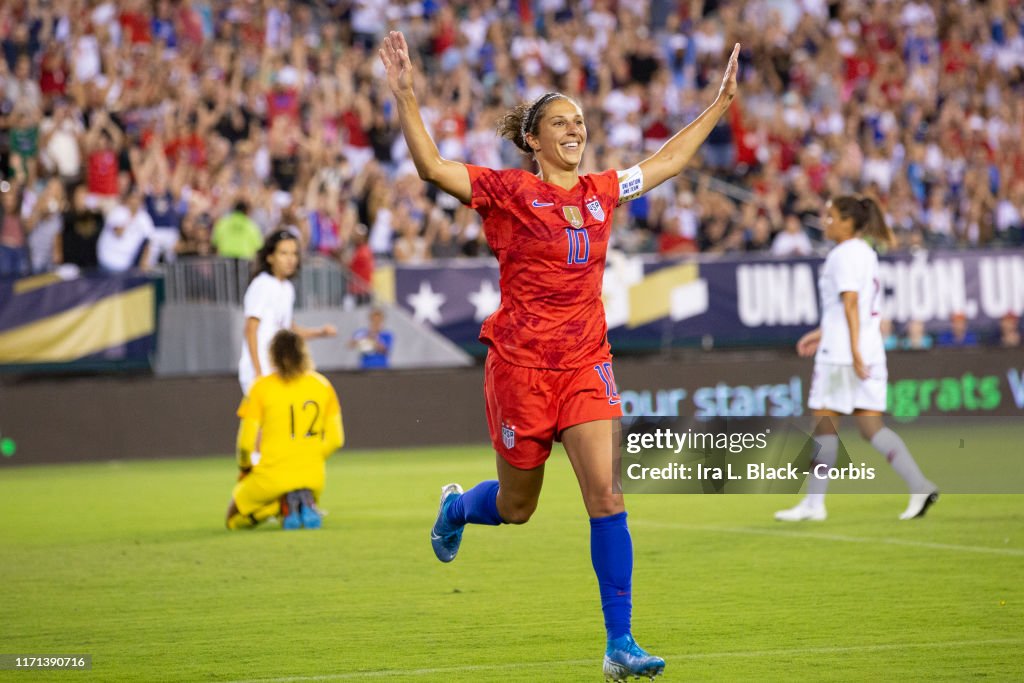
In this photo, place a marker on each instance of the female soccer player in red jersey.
(548, 374)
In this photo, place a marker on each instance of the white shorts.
(837, 388)
(246, 377)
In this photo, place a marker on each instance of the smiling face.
(561, 135)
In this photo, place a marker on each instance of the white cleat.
(802, 512)
(919, 504)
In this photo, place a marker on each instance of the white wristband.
(631, 184)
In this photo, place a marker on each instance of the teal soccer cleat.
(443, 538)
(308, 511)
(624, 658)
(290, 508)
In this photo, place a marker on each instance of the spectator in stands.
(1009, 331)
(917, 337)
(77, 243)
(758, 236)
(324, 215)
(1009, 214)
(373, 342)
(23, 143)
(236, 235)
(958, 333)
(125, 242)
(889, 338)
(410, 247)
(361, 263)
(195, 235)
(61, 137)
(679, 226)
(237, 95)
(103, 142)
(14, 260)
(22, 89)
(442, 238)
(161, 193)
(45, 222)
(792, 240)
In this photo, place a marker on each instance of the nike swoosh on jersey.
(538, 204)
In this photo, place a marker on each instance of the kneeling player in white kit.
(850, 375)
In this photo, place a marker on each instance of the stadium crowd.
(136, 131)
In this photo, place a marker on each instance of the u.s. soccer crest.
(594, 206)
(573, 215)
(508, 436)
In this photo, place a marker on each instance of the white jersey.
(852, 266)
(271, 300)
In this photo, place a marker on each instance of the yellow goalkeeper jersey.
(298, 423)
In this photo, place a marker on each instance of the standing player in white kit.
(268, 305)
(850, 374)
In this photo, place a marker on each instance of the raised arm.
(450, 176)
(673, 156)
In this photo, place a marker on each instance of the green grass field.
(128, 562)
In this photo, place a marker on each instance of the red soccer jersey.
(551, 245)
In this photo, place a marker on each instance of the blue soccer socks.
(611, 552)
(479, 505)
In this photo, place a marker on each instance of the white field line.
(691, 656)
(817, 536)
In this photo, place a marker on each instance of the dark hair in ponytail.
(867, 217)
(525, 118)
(288, 355)
(262, 265)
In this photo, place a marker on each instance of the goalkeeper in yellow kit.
(295, 415)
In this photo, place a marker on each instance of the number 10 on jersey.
(579, 245)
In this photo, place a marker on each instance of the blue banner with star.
(742, 300)
(454, 299)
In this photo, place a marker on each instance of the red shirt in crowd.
(192, 146)
(362, 266)
(282, 102)
(136, 27)
(954, 55)
(357, 137)
(53, 75)
(551, 245)
(101, 173)
(444, 37)
(746, 144)
(191, 26)
(859, 66)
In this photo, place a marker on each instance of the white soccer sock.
(827, 454)
(889, 444)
